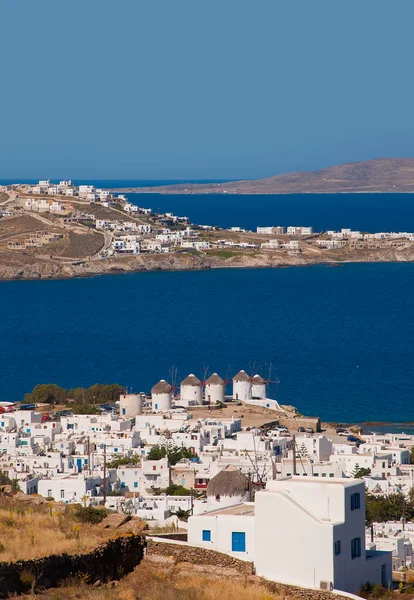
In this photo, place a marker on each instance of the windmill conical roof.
(191, 380)
(162, 387)
(241, 376)
(214, 379)
(229, 482)
(258, 379)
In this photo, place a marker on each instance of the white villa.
(299, 531)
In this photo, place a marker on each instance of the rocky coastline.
(20, 269)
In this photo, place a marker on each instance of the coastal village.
(223, 467)
(206, 464)
(63, 230)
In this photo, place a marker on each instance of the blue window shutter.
(238, 541)
(206, 535)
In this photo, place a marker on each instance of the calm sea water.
(340, 340)
(363, 212)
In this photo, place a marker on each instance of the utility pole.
(104, 475)
(89, 456)
(249, 477)
(294, 454)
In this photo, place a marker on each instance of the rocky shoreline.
(36, 269)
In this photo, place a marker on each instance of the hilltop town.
(61, 230)
(220, 466)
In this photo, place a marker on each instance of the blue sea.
(335, 342)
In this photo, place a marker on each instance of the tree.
(97, 394)
(392, 507)
(177, 490)
(362, 472)
(47, 393)
(412, 455)
(182, 514)
(303, 450)
(173, 453)
(4, 480)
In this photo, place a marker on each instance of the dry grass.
(148, 583)
(36, 531)
(83, 245)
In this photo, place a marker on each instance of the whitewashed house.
(300, 531)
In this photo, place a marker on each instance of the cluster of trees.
(50, 393)
(174, 453)
(392, 507)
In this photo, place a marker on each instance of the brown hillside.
(380, 175)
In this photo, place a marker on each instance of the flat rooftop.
(246, 510)
(274, 484)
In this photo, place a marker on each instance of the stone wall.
(198, 556)
(180, 536)
(293, 424)
(298, 593)
(109, 561)
(190, 560)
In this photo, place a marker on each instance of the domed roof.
(191, 380)
(162, 387)
(258, 379)
(214, 379)
(241, 376)
(229, 482)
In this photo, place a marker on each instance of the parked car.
(309, 430)
(301, 429)
(343, 433)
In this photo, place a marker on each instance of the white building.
(191, 391)
(300, 531)
(258, 387)
(214, 389)
(322, 525)
(272, 244)
(161, 396)
(242, 386)
(130, 405)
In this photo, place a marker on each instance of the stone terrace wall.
(180, 537)
(199, 556)
(290, 591)
(221, 566)
(109, 561)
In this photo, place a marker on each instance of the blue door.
(238, 541)
(79, 464)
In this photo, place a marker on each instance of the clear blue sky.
(176, 89)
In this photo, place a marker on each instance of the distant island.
(380, 175)
(61, 230)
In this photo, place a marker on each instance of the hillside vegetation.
(149, 583)
(29, 531)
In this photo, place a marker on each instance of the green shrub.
(89, 514)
